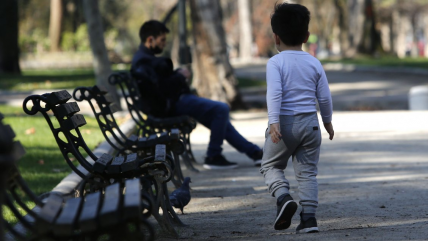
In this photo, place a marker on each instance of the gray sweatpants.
(301, 139)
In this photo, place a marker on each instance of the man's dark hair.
(290, 22)
(152, 28)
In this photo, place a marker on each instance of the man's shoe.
(257, 157)
(308, 226)
(285, 211)
(218, 163)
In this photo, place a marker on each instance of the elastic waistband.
(289, 119)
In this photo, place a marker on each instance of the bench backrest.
(98, 213)
(67, 135)
(13, 186)
(105, 167)
(103, 108)
(131, 94)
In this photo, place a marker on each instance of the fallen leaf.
(30, 131)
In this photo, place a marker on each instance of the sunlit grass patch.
(43, 165)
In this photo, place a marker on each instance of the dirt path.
(372, 181)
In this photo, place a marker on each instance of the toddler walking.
(295, 80)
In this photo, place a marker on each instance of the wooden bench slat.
(49, 212)
(101, 163)
(74, 122)
(115, 166)
(133, 138)
(160, 153)
(88, 218)
(67, 109)
(174, 134)
(59, 97)
(131, 163)
(65, 223)
(110, 211)
(132, 199)
(152, 140)
(163, 137)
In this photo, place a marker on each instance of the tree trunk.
(343, 25)
(355, 22)
(245, 31)
(101, 62)
(55, 23)
(371, 36)
(9, 50)
(213, 75)
(401, 27)
(351, 22)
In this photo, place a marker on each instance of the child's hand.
(329, 128)
(275, 132)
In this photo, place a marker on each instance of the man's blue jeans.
(215, 116)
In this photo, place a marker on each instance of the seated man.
(165, 92)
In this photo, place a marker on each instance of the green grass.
(50, 79)
(43, 165)
(384, 62)
(44, 79)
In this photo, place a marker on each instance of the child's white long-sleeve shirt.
(295, 79)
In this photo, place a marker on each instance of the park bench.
(147, 122)
(104, 108)
(105, 170)
(120, 212)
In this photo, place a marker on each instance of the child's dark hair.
(290, 22)
(152, 28)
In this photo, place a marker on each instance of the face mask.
(155, 49)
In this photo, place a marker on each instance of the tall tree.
(245, 32)
(101, 62)
(55, 23)
(351, 20)
(371, 37)
(213, 75)
(9, 50)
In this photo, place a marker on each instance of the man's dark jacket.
(159, 85)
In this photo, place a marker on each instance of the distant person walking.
(295, 80)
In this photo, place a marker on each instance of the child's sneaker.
(308, 226)
(285, 211)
